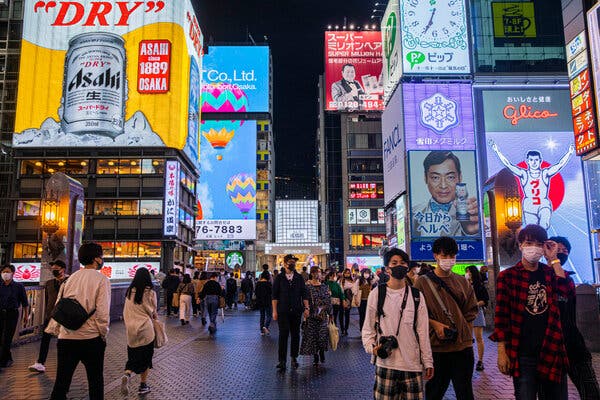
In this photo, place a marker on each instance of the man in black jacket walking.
(170, 285)
(290, 301)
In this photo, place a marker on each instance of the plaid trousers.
(392, 384)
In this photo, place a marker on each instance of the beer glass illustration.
(514, 22)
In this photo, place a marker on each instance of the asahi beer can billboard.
(109, 73)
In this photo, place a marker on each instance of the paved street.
(238, 364)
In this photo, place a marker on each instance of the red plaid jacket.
(511, 296)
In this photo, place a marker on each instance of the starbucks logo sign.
(234, 258)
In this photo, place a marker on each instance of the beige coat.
(138, 318)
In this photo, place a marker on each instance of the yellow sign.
(514, 20)
(112, 73)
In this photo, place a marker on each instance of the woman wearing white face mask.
(12, 295)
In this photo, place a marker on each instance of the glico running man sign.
(109, 73)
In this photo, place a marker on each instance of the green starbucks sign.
(235, 258)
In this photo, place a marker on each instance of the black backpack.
(70, 313)
(382, 291)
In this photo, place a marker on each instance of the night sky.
(295, 31)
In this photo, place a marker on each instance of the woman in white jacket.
(139, 311)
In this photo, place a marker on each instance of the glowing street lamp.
(50, 215)
(514, 216)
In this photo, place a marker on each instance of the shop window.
(153, 166)
(126, 249)
(31, 167)
(108, 249)
(108, 167)
(262, 204)
(28, 208)
(151, 207)
(130, 167)
(127, 207)
(28, 250)
(104, 207)
(149, 249)
(77, 167)
(262, 175)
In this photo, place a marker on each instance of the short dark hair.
(265, 267)
(186, 278)
(438, 157)
(395, 252)
(214, 275)
(196, 274)
(88, 252)
(59, 263)
(532, 232)
(9, 266)
(348, 65)
(171, 271)
(304, 268)
(533, 153)
(265, 275)
(562, 240)
(445, 245)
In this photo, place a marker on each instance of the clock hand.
(430, 23)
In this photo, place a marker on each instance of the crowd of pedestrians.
(419, 322)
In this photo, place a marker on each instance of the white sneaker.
(37, 367)
(125, 384)
(267, 332)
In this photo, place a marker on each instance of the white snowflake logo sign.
(439, 113)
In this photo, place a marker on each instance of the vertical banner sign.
(171, 207)
(392, 52)
(394, 154)
(353, 68)
(582, 103)
(593, 18)
(529, 134)
(434, 37)
(107, 73)
(227, 187)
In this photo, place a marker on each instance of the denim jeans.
(528, 386)
(266, 314)
(212, 306)
(455, 367)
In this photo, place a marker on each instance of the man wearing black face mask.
(581, 370)
(290, 302)
(51, 289)
(403, 316)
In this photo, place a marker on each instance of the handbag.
(175, 301)
(222, 302)
(334, 335)
(160, 334)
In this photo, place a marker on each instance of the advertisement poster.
(438, 116)
(127, 270)
(434, 37)
(370, 262)
(29, 272)
(105, 73)
(401, 222)
(227, 186)
(535, 144)
(394, 154)
(392, 52)
(236, 79)
(593, 18)
(444, 201)
(514, 20)
(171, 204)
(353, 68)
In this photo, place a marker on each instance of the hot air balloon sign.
(241, 189)
(223, 98)
(219, 134)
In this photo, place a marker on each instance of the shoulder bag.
(160, 334)
(450, 334)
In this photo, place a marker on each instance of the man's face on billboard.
(441, 180)
(348, 73)
(534, 162)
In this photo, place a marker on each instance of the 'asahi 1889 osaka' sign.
(98, 73)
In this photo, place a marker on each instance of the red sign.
(524, 111)
(582, 102)
(580, 83)
(365, 191)
(353, 65)
(586, 141)
(583, 122)
(154, 66)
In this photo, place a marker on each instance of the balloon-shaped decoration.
(221, 97)
(200, 213)
(219, 133)
(241, 188)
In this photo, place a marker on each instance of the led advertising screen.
(535, 144)
(353, 67)
(593, 18)
(392, 52)
(394, 154)
(370, 262)
(236, 79)
(444, 201)
(438, 116)
(434, 37)
(227, 186)
(401, 222)
(108, 74)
